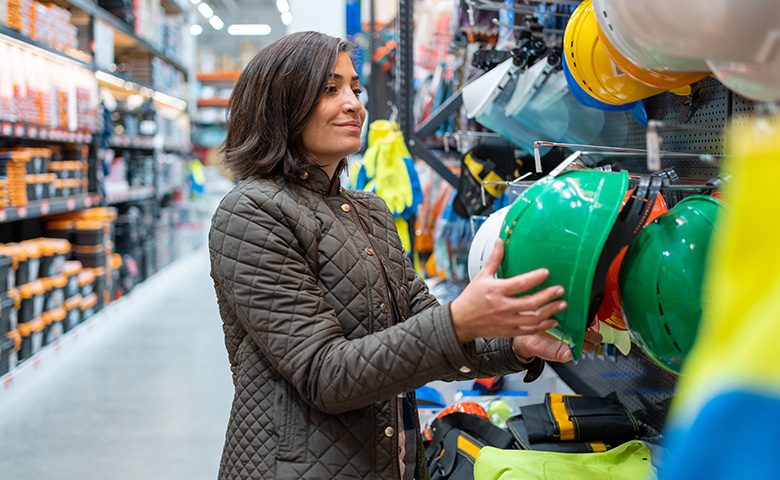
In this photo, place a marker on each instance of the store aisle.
(144, 392)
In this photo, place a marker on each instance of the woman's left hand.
(549, 348)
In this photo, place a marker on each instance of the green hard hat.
(561, 224)
(661, 280)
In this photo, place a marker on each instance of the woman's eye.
(331, 89)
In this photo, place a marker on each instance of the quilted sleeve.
(493, 356)
(267, 282)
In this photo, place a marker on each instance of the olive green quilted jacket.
(308, 276)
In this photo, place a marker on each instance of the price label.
(3, 215)
(44, 133)
(70, 203)
(32, 132)
(21, 212)
(19, 130)
(7, 128)
(45, 207)
(87, 202)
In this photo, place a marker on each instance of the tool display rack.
(692, 125)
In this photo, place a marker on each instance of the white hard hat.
(637, 29)
(729, 30)
(485, 240)
(756, 81)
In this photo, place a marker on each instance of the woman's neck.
(330, 168)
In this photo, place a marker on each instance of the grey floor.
(142, 393)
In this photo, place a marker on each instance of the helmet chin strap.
(632, 217)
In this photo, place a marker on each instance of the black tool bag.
(575, 418)
(457, 439)
(516, 426)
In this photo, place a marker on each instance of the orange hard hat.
(611, 309)
(470, 408)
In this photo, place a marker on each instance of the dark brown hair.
(271, 102)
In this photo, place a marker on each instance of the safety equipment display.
(661, 280)
(611, 311)
(562, 223)
(727, 30)
(629, 461)
(677, 82)
(486, 100)
(636, 30)
(550, 108)
(388, 170)
(484, 241)
(590, 63)
(485, 167)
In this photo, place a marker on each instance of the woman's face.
(333, 130)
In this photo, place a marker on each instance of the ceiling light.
(196, 30)
(205, 10)
(282, 6)
(194, 2)
(249, 29)
(286, 18)
(216, 22)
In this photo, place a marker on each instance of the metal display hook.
(516, 182)
(654, 140)
(604, 150)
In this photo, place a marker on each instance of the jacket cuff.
(508, 356)
(462, 358)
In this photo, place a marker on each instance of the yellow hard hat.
(591, 65)
(679, 81)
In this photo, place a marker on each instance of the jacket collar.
(314, 178)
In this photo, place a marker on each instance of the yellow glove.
(392, 177)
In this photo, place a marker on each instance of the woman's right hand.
(490, 307)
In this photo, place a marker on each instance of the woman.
(326, 323)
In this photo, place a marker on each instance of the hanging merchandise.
(639, 32)
(678, 82)
(436, 194)
(661, 280)
(611, 312)
(549, 107)
(484, 241)
(562, 224)
(637, 108)
(630, 461)
(591, 65)
(732, 375)
(757, 81)
(485, 167)
(388, 170)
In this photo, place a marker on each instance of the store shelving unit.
(19, 223)
(52, 206)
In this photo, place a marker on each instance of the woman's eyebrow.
(341, 77)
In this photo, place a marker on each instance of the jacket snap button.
(370, 251)
(346, 208)
(304, 175)
(383, 308)
(465, 369)
(389, 432)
